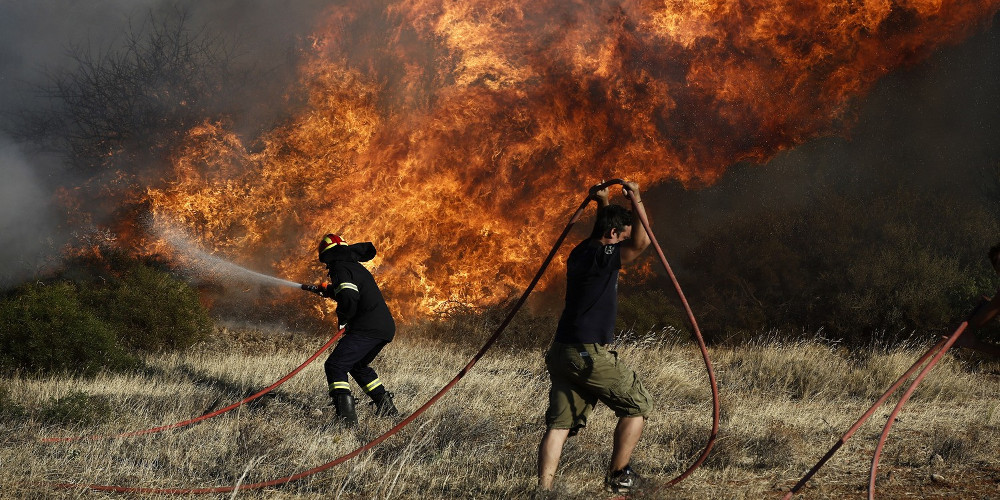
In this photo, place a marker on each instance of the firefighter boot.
(384, 406)
(344, 403)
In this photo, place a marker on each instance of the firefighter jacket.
(360, 304)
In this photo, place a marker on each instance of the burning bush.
(438, 136)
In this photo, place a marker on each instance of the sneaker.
(622, 481)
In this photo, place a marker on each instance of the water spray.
(223, 269)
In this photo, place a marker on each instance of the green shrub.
(10, 410)
(76, 408)
(100, 311)
(148, 308)
(45, 328)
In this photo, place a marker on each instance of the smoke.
(36, 37)
(929, 128)
(28, 234)
(41, 40)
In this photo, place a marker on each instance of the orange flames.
(458, 136)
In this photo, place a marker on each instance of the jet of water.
(212, 264)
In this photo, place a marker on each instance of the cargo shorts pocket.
(629, 398)
(578, 362)
(569, 361)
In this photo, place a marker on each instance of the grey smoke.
(35, 36)
(929, 129)
(28, 234)
(37, 39)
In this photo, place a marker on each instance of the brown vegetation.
(783, 406)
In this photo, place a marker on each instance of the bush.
(803, 269)
(642, 314)
(467, 326)
(76, 408)
(10, 410)
(645, 311)
(96, 315)
(45, 328)
(147, 308)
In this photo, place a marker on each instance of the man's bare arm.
(635, 245)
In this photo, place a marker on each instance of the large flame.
(458, 135)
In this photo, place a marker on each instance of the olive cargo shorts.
(582, 375)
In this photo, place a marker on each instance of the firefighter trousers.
(352, 355)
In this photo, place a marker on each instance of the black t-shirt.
(591, 294)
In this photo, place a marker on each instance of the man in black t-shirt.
(583, 371)
(369, 327)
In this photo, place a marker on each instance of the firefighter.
(368, 327)
(582, 369)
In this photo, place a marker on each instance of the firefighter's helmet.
(329, 241)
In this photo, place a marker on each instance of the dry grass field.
(783, 406)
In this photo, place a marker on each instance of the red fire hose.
(936, 351)
(698, 338)
(206, 416)
(489, 343)
(906, 396)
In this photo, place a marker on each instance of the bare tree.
(127, 106)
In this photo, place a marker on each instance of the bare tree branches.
(131, 103)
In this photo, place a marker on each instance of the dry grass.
(784, 405)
